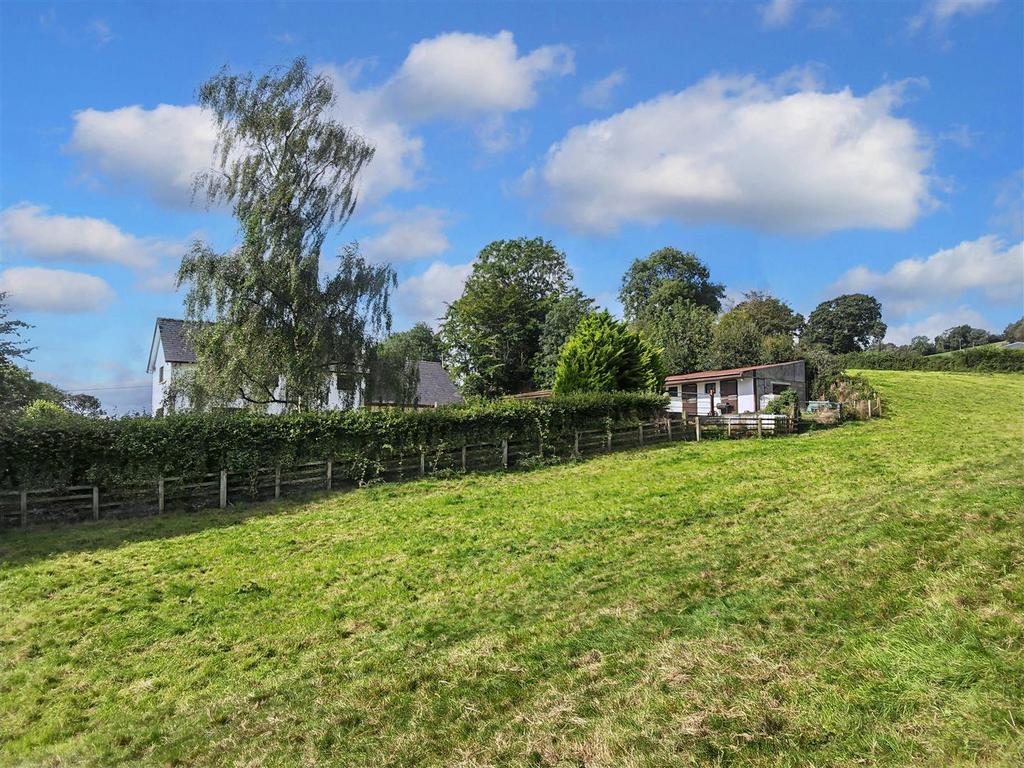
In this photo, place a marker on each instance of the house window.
(778, 389)
(161, 374)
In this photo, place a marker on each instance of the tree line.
(266, 310)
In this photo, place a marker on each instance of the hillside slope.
(841, 597)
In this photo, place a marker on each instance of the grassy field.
(846, 597)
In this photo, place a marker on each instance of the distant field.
(846, 597)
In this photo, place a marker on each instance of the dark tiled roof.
(436, 386)
(172, 338)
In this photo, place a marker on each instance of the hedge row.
(121, 451)
(982, 359)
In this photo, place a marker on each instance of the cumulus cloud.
(940, 13)
(454, 76)
(934, 324)
(598, 94)
(987, 264)
(425, 296)
(36, 289)
(459, 75)
(781, 156)
(407, 235)
(778, 13)
(156, 150)
(31, 230)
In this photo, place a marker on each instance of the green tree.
(420, 342)
(394, 371)
(10, 332)
(1014, 331)
(962, 337)
(666, 277)
(559, 324)
(262, 310)
(737, 341)
(684, 332)
(606, 355)
(921, 345)
(847, 323)
(771, 315)
(758, 330)
(491, 334)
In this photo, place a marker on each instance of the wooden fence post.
(869, 408)
(504, 453)
(160, 496)
(696, 420)
(423, 462)
(223, 488)
(576, 443)
(728, 427)
(759, 425)
(330, 473)
(277, 482)
(668, 423)
(463, 458)
(24, 508)
(95, 502)
(609, 445)
(640, 433)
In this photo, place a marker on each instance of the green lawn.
(846, 597)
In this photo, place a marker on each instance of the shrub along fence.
(981, 359)
(88, 469)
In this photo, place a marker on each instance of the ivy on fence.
(139, 449)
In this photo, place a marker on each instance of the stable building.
(735, 390)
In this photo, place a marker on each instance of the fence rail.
(218, 489)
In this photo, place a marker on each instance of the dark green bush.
(980, 359)
(115, 451)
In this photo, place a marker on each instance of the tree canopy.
(262, 310)
(847, 323)
(559, 324)
(770, 314)
(606, 355)
(665, 278)
(10, 333)
(491, 334)
(1014, 331)
(961, 337)
(684, 332)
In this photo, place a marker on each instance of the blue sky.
(804, 148)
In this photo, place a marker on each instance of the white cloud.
(460, 75)
(782, 156)
(425, 296)
(407, 235)
(598, 94)
(986, 264)
(939, 13)
(100, 32)
(454, 76)
(157, 150)
(935, 323)
(54, 290)
(34, 232)
(778, 13)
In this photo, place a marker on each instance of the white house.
(735, 390)
(170, 354)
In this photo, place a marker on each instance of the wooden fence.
(89, 502)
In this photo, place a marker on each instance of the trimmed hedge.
(981, 359)
(140, 449)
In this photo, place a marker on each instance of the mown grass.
(846, 597)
